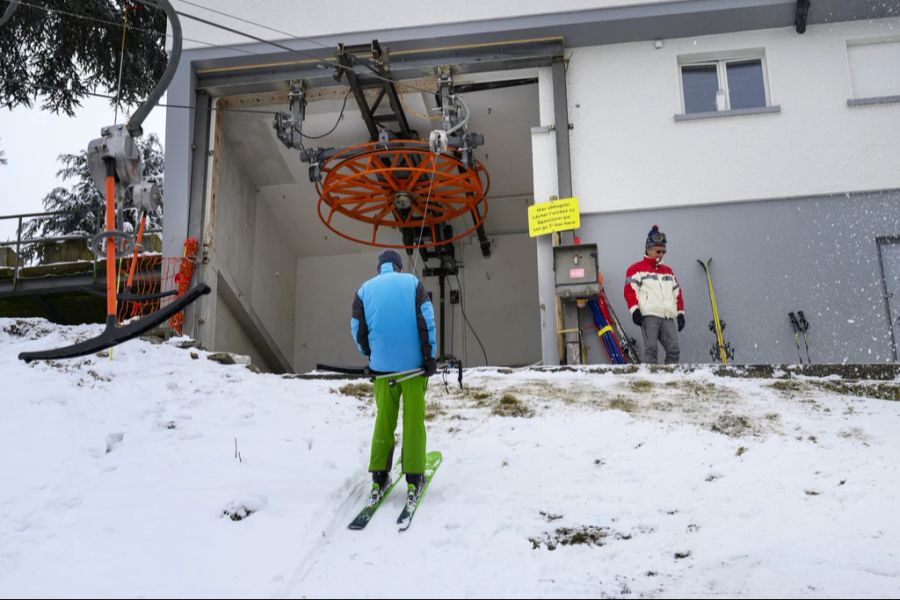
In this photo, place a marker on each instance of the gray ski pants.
(666, 332)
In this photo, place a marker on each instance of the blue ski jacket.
(393, 321)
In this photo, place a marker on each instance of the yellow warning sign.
(556, 215)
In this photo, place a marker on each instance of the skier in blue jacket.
(393, 325)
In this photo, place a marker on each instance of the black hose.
(134, 123)
(8, 13)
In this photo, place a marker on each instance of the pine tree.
(85, 204)
(61, 51)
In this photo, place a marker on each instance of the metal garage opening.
(284, 281)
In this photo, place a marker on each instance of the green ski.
(432, 462)
(372, 504)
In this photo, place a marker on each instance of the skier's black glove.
(430, 367)
(637, 317)
(680, 322)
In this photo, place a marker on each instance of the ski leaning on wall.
(721, 349)
(627, 344)
(620, 349)
(800, 326)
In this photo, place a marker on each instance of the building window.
(701, 84)
(723, 85)
(874, 70)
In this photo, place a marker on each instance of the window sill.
(874, 100)
(728, 113)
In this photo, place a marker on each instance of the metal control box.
(575, 269)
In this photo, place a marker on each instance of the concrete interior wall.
(274, 278)
(250, 250)
(326, 286)
(498, 299)
(232, 336)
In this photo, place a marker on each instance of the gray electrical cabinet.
(575, 269)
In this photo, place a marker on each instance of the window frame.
(721, 60)
(854, 99)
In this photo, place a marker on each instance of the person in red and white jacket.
(655, 300)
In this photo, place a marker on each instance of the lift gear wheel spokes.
(401, 184)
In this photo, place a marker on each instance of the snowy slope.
(118, 476)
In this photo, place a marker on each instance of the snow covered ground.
(119, 476)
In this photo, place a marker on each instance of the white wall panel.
(628, 152)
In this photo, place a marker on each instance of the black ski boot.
(380, 482)
(414, 486)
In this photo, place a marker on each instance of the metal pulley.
(115, 144)
(124, 243)
(146, 196)
(439, 141)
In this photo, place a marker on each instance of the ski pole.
(804, 325)
(399, 376)
(415, 371)
(795, 326)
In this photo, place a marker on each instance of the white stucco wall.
(628, 152)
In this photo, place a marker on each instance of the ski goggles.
(657, 238)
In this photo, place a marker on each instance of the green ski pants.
(387, 403)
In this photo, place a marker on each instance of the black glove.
(637, 317)
(430, 367)
(680, 322)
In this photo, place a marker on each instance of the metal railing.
(19, 242)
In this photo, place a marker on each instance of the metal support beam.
(346, 60)
(386, 87)
(561, 123)
(52, 285)
(197, 200)
(564, 185)
(390, 91)
(273, 74)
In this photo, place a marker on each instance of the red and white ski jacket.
(652, 287)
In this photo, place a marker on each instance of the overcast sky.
(33, 138)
